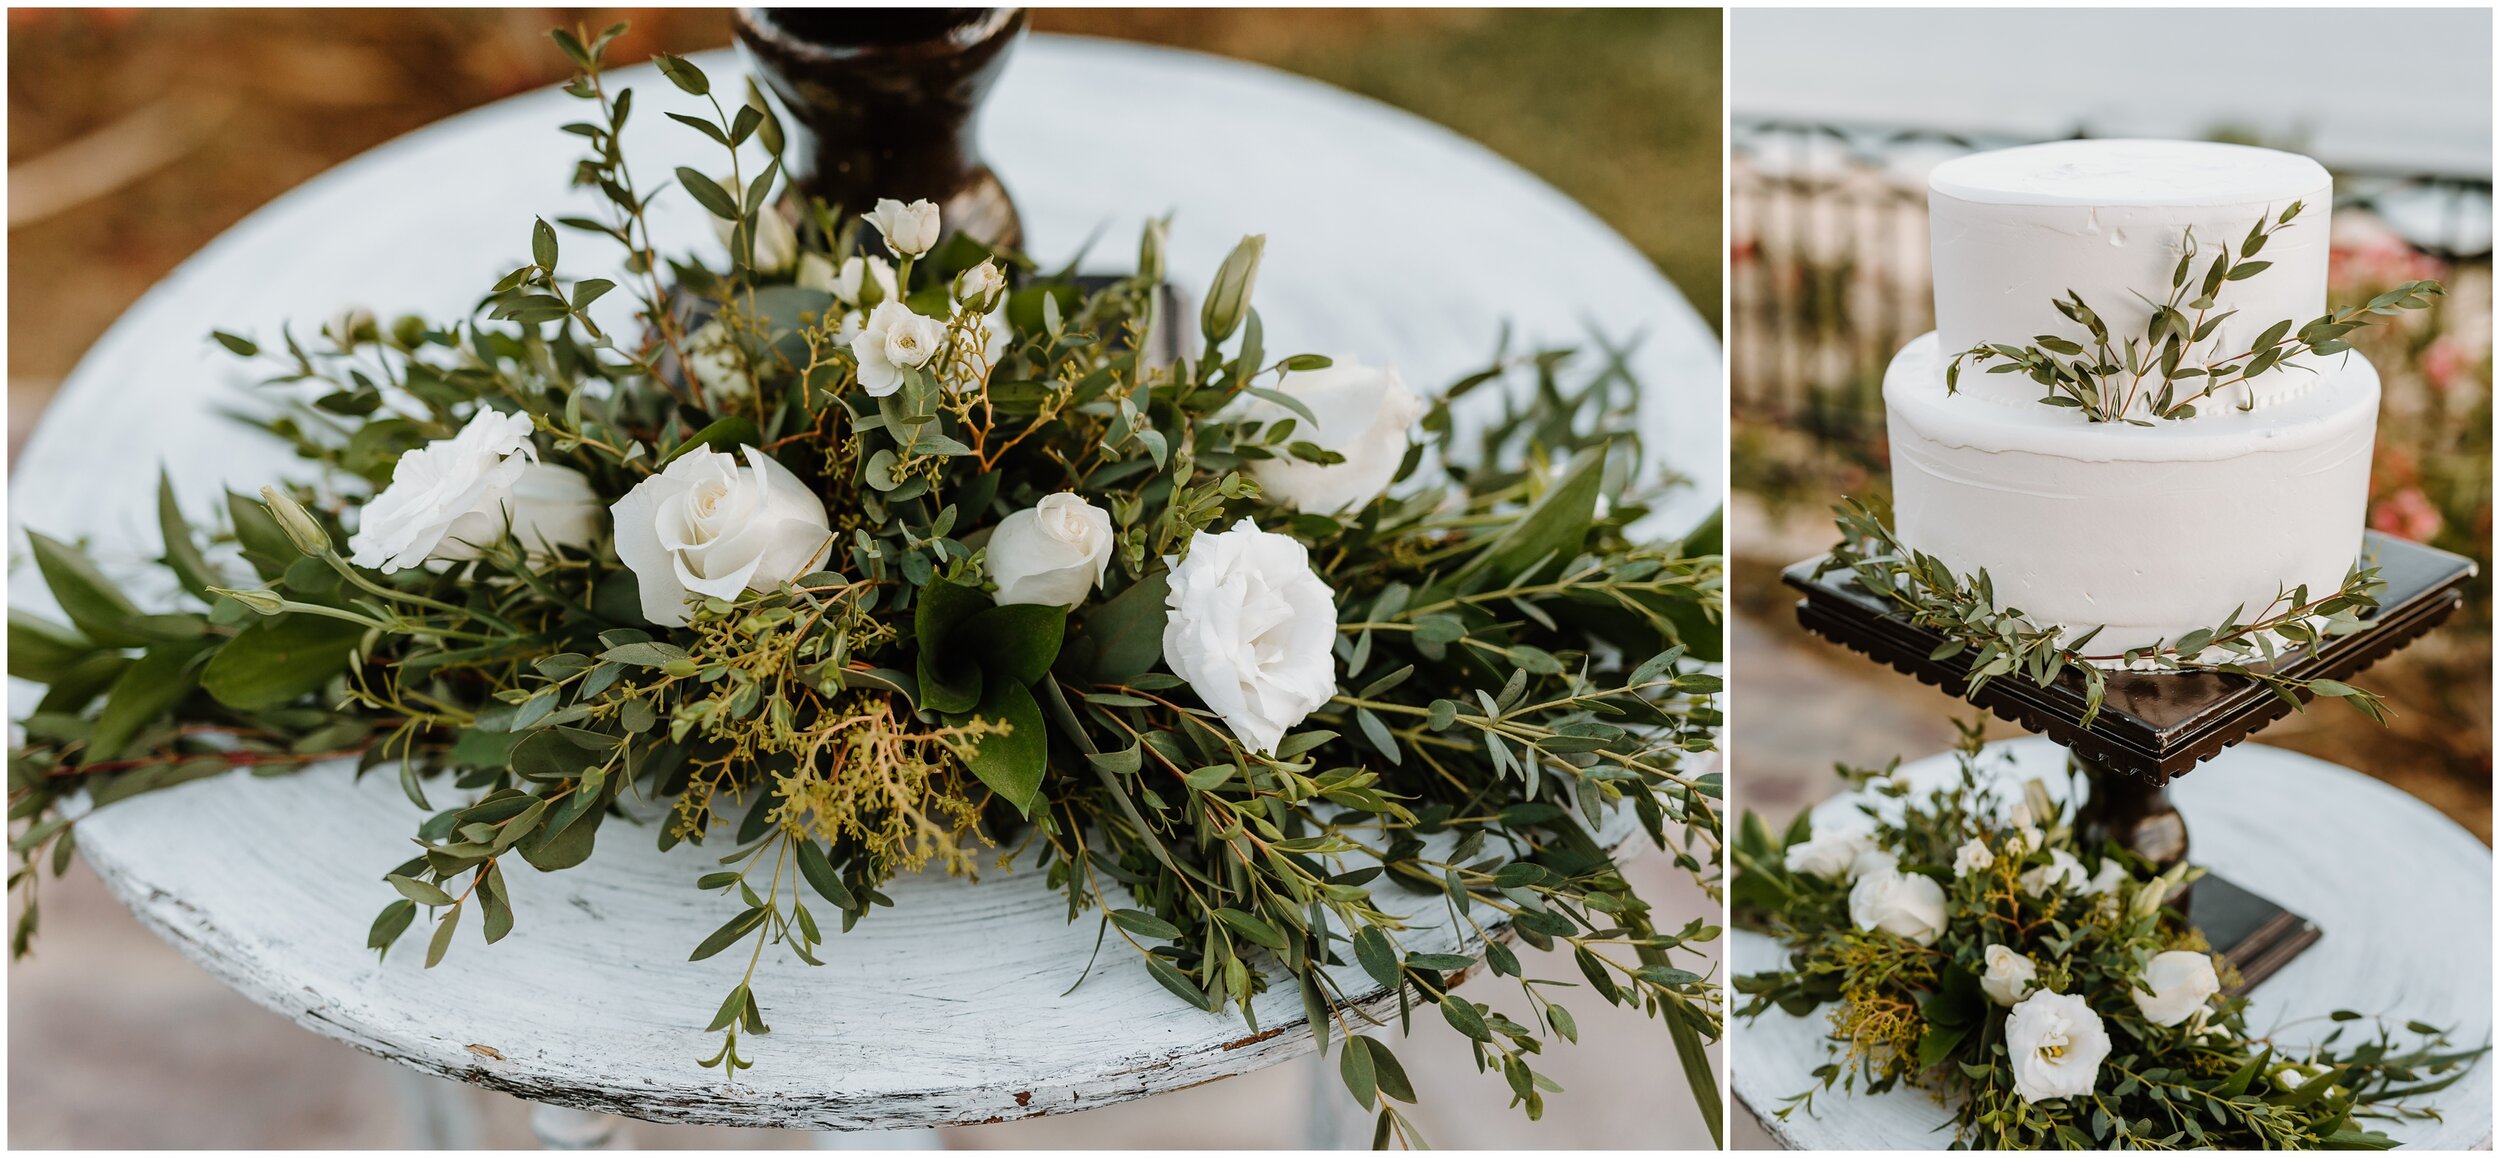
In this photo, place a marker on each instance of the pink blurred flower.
(2407, 514)
(2446, 361)
(2366, 255)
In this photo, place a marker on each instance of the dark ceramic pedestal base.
(2256, 935)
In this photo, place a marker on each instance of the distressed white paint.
(2403, 894)
(1388, 236)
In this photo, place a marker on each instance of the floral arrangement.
(880, 550)
(1974, 945)
(2161, 373)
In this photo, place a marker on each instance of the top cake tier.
(2016, 229)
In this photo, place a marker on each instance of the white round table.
(1389, 238)
(2402, 893)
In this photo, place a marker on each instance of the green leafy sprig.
(2161, 369)
(2005, 641)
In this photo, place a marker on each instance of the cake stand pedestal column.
(2153, 727)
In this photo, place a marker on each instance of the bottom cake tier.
(2148, 532)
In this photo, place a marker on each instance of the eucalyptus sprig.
(2162, 369)
(2006, 641)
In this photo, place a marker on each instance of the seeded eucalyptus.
(1513, 670)
(2003, 641)
(2161, 374)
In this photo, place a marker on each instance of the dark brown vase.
(880, 102)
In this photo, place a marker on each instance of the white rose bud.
(2181, 982)
(1250, 629)
(776, 242)
(2056, 1044)
(1831, 855)
(2062, 874)
(2009, 975)
(910, 230)
(453, 497)
(1366, 414)
(704, 526)
(718, 366)
(1053, 553)
(1228, 300)
(894, 340)
(978, 288)
(1906, 905)
(1972, 857)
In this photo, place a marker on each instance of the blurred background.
(1837, 118)
(135, 137)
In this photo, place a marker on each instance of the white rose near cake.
(2136, 438)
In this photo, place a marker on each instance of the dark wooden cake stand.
(2153, 727)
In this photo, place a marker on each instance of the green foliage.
(2162, 370)
(1517, 668)
(1909, 1014)
(2003, 641)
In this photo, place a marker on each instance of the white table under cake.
(1389, 238)
(2402, 894)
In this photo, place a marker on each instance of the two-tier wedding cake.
(2150, 526)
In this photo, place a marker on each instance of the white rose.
(1365, 414)
(1873, 860)
(2181, 983)
(2106, 881)
(2009, 975)
(847, 283)
(1251, 628)
(1972, 857)
(2063, 874)
(1052, 553)
(717, 364)
(909, 230)
(1904, 904)
(895, 339)
(454, 496)
(1830, 854)
(776, 243)
(815, 272)
(703, 526)
(978, 288)
(2056, 1043)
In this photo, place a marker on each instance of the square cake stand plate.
(2153, 727)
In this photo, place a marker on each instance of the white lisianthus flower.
(2009, 975)
(776, 242)
(1053, 553)
(910, 230)
(453, 497)
(894, 340)
(1972, 857)
(718, 366)
(1832, 853)
(2062, 874)
(2107, 880)
(2181, 981)
(705, 526)
(980, 287)
(1873, 860)
(1365, 414)
(2056, 1044)
(1250, 629)
(1906, 905)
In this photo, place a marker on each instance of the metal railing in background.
(1829, 274)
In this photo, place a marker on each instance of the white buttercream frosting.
(2017, 228)
(2151, 531)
